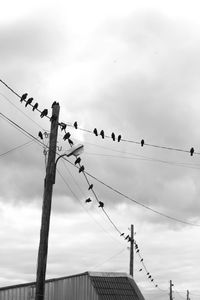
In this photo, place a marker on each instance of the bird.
(102, 134)
(101, 204)
(77, 161)
(192, 151)
(148, 273)
(95, 132)
(88, 200)
(140, 270)
(113, 136)
(23, 97)
(122, 234)
(142, 143)
(40, 135)
(156, 285)
(66, 136)
(63, 126)
(149, 276)
(70, 142)
(53, 118)
(152, 279)
(75, 125)
(137, 250)
(35, 106)
(44, 113)
(90, 187)
(141, 259)
(119, 138)
(29, 101)
(81, 169)
(127, 237)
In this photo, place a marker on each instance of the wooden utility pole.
(188, 295)
(170, 290)
(46, 209)
(132, 251)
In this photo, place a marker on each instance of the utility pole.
(170, 290)
(188, 295)
(132, 251)
(46, 209)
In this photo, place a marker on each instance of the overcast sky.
(128, 67)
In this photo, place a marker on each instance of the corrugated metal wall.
(69, 288)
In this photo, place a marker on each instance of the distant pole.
(170, 290)
(132, 251)
(46, 209)
(188, 295)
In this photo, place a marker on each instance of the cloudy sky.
(128, 67)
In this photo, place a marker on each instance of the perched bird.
(29, 101)
(148, 273)
(149, 276)
(66, 136)
(81, 169)
(142, 142)
(113, 136)
(136, 246)
(23, 97)
(119, 138)
(53, 118)
(102, 134)
(156, 285)
(127, 237)
(35, 106)
(44, 113)
(70, 142)
(77, 161)
(137, 250)
(101, 204)
(140, 270)
(152, 279)
(122, 234)
(141, 259)
(75, 125)
(90, 187)
(192, 151)
(88, 200)
(63, 126)
(40, 135)
(95, 132)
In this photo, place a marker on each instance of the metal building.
(84, 286)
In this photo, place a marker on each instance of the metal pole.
(132, 251)
(46, 209)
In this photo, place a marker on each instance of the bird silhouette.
(127, 237)
(113, 136)
(75, 125)
(140, 270)
(66, 136)
(149, 276)
(81, 169)
(192, 151)
(77, 161)
(152, 279)
(23, 97)
(122, 234)
(95, 132)
(142, 142)
(137, 250)
(35, 106)
(101, 204)
(141, 259)
(90, 187)
(102, 134)
(40, 135)
(148, 273)
(70, 142)
(88, 200)
(44, 113)
(29, 101)
(119, 138)
(63, 126)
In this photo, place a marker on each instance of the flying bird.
(29, 101)
(63, 126)
(77, 161)
(75, 125)
(95, 132)
(90, 187)
(88, 200)
(142, 142)
(192, 151)
(119, 138)
(40, 135)
(44, 113)
(66, 136)
(35, 106)
(81, 169)
(23, 97)
(113, 136)
(70, 142)
(102, 134)
(101, 204)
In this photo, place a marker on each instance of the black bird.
(81, 169)
(63, 126)
(148, 273)
(70, 142)
(23, 97)
(140, 270)
(192, 151)
(136, 246)
(127, 237)
(44, 113)
(95, 132)
(77, 161)
(149, 276)
(101, 204)
(88, 200)
(53, 118)
(40, 135)
(122, 234)
(66, 136)
(90, 187)
(75, 125)
(119, 138)
(156, 285)
(141, 259)
(113, 136)
(102, 134)
(35, 106)
(152, 279)
(29, 101)
(137, 250)
(142, 142)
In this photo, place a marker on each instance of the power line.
(16, 148)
